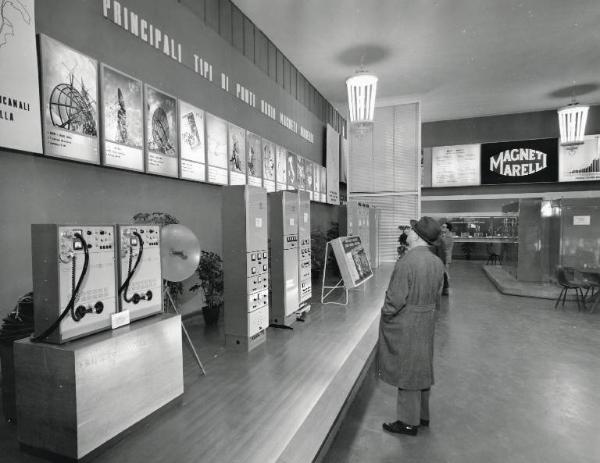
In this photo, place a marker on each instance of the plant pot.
(211, 314)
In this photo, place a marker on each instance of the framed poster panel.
(332, 151)
(301, 172)
(268, 150)
(192, 163)
(281, 168)
(254, 159)
(292, 171)
(122, 116)
(582, 163)
(317, 182)
(456, 165)
(161, 133)
(323, 184)
(525, 161)
(309, 176)
(352, 260)
(69, 99)
(20, 125)
(237, 155)
(216, 149)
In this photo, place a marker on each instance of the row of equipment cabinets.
(85, 274)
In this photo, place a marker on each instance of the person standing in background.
(448, 240)
(406, 327)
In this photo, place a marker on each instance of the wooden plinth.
(72, 398)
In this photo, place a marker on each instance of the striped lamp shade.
(571, 121)
(362, 88)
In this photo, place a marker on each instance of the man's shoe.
(425, 423)
(398, 427)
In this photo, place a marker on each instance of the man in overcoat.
(405, 349)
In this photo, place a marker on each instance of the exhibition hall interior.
(205, 201)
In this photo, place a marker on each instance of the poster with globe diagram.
(122, 120)
(281, 168)
(20, 125)
(192, 163)
(161, 133)
(216, 149)
(254, 159)
(268, 150)
(237, 155)
(291, 171)
(69, 96)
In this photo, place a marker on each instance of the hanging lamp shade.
(362, 88)
(571, 122)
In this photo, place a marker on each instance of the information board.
(456, 165)
(122, 120)
(281, 168)
(69, 99)
(192, 142)
(216, 149)
(237, 155)
(20, 125)
(580, 163)
(161, 133)
(254, 159)
(333, 165)
(352, 260)
(268, 150)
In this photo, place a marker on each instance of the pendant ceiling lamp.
(362, 88)
(571, 122)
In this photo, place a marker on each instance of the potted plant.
(210, 276)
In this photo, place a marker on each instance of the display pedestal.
(73, 398)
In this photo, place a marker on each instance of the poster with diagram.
(332, 153)
(317, 182)
(237, 155)
(281, 168)
(581, 162)
(254, 159)
(352, 260)
(216, 149)
(308, 175)
(161, 133)
(268, 150)
(69, 99)
(301, 172)
(122, 114)
(20, 125)
(192, 163)
(291, 171)
(323, 184)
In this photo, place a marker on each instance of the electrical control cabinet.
(245, 266)
(59, 266)
(140, 279)
(304, 253)
(283, 232)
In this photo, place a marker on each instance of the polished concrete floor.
(516, 381)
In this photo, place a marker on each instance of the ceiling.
(458, 58)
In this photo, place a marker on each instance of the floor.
(516, 381)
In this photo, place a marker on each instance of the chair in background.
(566, 279)
(494, 254)
(592, 282)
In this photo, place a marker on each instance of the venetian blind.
(384, 171)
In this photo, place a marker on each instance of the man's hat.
(427, 228)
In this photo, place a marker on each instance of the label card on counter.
(119, 319)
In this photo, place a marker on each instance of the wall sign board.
(582, 163)
(237, 155)
(162, 146)
(69, 99)
(20, 126)
(333, 165)
(122, 120)
(455, 165)
(192, 142)
(216, 149)
(527, 161)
